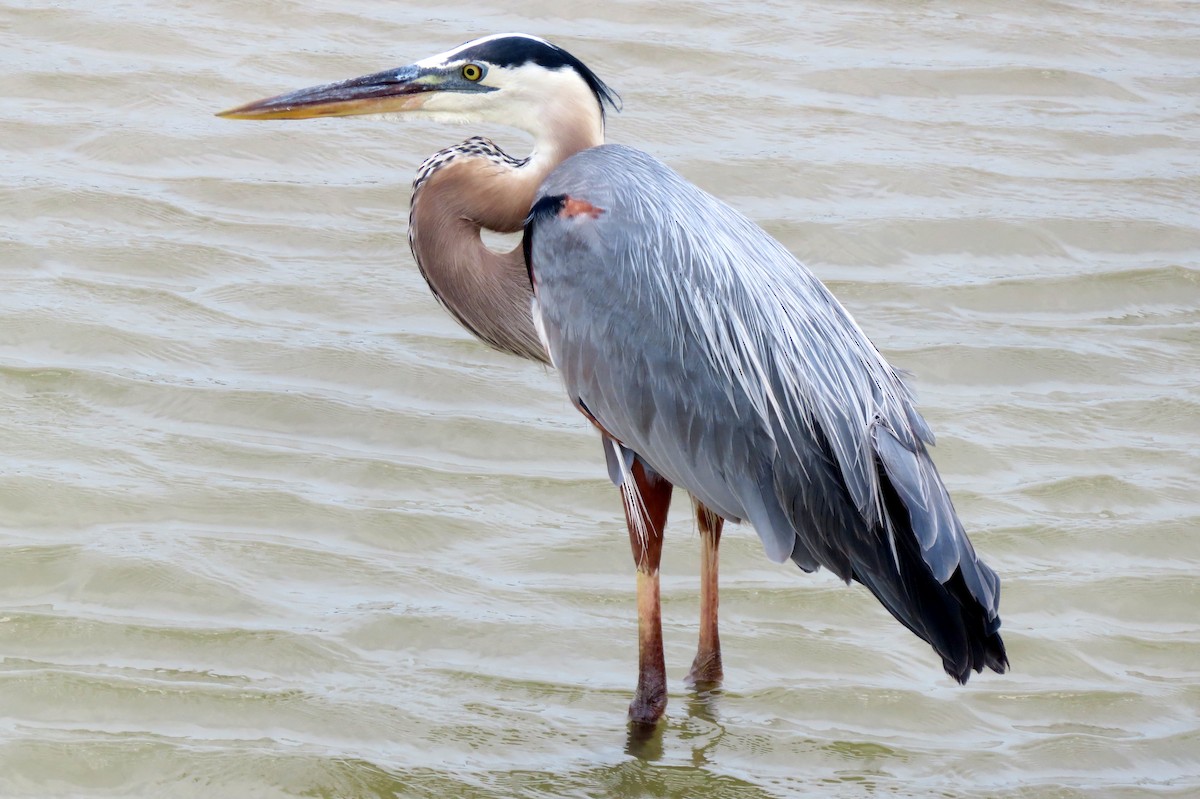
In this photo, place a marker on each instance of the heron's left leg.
(706, 668)
(646, 505)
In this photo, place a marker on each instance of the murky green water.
(272, 525)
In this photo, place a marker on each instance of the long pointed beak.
(403, 89)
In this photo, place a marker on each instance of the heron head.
(512, 79)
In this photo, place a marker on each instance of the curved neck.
(475, 185)
(487, 292)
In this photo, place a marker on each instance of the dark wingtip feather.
(952, 605)
(985, 647)
(949, 616)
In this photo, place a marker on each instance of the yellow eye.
(472, 72)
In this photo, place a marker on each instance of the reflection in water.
(645, 741)
(703, 731)
(700, 730)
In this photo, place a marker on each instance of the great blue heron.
(706, 355)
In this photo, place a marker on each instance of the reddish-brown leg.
(706, 668)
(646, 519)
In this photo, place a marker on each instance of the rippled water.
(274, 526)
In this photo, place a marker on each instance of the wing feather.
(702, 344)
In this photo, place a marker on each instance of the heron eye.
(472, 72)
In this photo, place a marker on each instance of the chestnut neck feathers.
(475, 185)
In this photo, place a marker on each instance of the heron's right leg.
(646, 516)
(706, 668)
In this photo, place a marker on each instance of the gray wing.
(703, 346)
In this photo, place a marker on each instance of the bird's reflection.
(702, 728)
(645, 741)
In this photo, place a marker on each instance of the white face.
(521, 96)
(528, 96)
